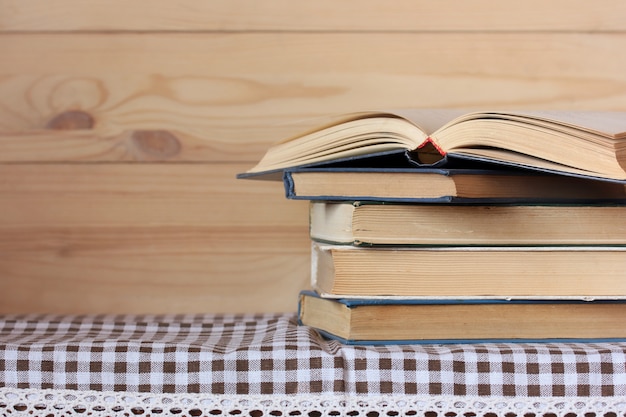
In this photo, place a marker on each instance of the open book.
(575, 143)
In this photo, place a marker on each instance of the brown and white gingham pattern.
(271, 354)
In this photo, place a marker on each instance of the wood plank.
(172, 88)
(347, 15)
(143, 194)
(141, 145)
(148, 238)
(148, 269)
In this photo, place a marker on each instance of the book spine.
(289, 185)
(430, 141)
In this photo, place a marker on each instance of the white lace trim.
(15, 401)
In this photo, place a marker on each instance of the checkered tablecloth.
(271, 355)
(267, 365)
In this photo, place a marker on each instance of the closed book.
(443, 185)
(462, 321)
(499, 272)
(370, 223)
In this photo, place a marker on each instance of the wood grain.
(141, 145)
(321, 15)
(140, 194)
(123, 125)
(79, 238)
(167, 96)
(176, 269)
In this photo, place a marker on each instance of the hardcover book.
(462, 321)
(572, 143)
(516, 272)
(438, 185)
(370, 223)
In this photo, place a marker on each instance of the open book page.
(310, 125)
(430, 120)
(609, 124)
(586, 143)
(364, 134)
(514, 159)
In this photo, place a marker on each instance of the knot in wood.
(71, 120)
(156, 144)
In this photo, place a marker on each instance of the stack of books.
(496, 226)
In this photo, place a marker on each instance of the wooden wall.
(124, 123)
